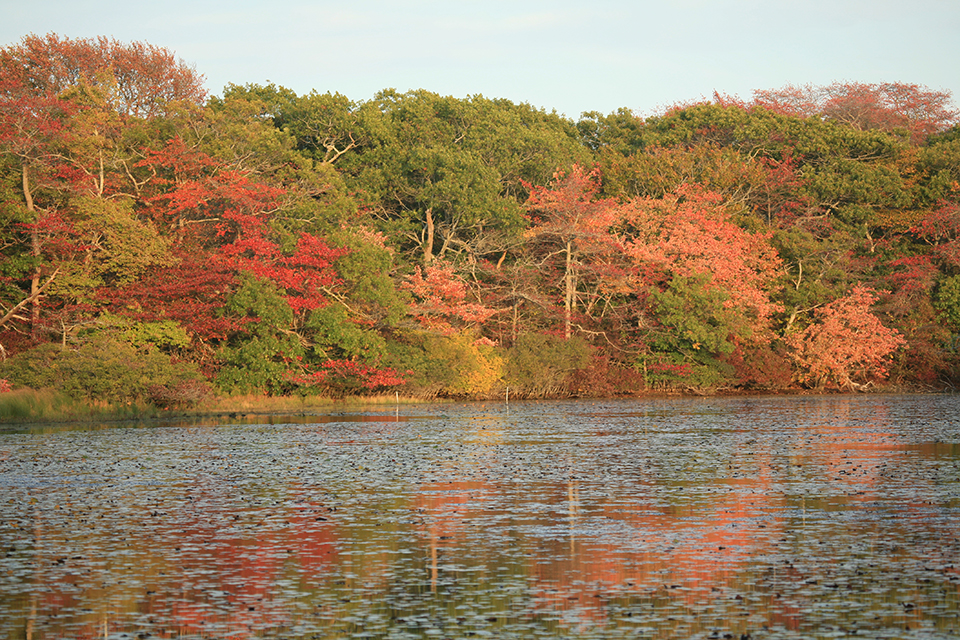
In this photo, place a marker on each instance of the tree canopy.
(261, 241)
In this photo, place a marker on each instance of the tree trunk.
(34, 250)
(569, 302)
(428, 241)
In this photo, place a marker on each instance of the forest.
(160, 246)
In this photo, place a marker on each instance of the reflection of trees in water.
(750, 528)
(682, 553)
(444, 511)
(208, 559)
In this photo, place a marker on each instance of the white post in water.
(508, 396)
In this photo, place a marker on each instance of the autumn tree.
(248, 130)
(570, 225)
(709, 284)
(847, 345)
(889, 106)
(441, 302)
(67, 105)
(191, 293)
(141, 79)
(31, 130)
(691, 233)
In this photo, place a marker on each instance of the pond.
(756, 517)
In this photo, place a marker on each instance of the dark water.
(705, 518)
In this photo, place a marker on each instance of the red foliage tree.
(142, 79)
(211, 208)
(199, 201)
(887, 106)
(32, 128)
(192, 292)
(63, 103)
(304, 275)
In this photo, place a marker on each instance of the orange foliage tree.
(691, 234)
(141, 79)
(440, 300)
(848, 345)
(708, 283)
(569, 222)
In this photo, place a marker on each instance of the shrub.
(541, 365)
(183, 394)
(449, 366)
(342, 378)
(102, 369)
(601, 378)
(666, 371)
(763, 366)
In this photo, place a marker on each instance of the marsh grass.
(293, 404)
(49, 405)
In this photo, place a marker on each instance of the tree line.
(160, 244)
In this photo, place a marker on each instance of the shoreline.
(253, 406)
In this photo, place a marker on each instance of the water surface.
(700, 518)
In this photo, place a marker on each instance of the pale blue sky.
(569, 56)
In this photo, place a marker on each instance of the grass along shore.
(48, 405)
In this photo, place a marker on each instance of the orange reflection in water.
(689, 552)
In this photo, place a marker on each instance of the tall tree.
(691, 233)
(441, 175)
(141, 79)
(708, 284)
(569, 221)
(65, 105)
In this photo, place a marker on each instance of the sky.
(569, 57)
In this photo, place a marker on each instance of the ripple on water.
(715, 517)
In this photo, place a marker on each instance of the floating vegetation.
(702, 518)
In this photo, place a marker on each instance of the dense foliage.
(263, 242)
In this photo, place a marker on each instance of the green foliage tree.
(947, 300)
(442, 174)
(696, 330)
(335, 335)
(258, 358)
(849, 174)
